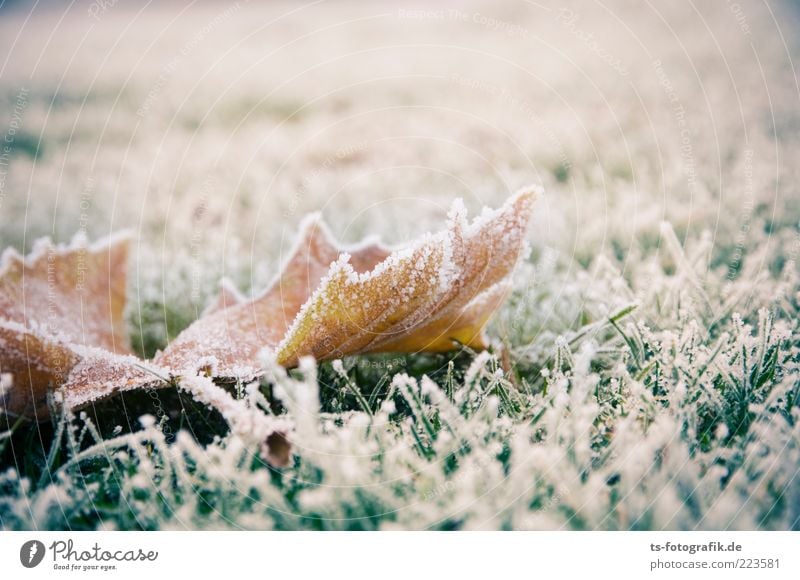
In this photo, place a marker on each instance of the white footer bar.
(387, 555)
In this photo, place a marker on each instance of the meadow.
(643, 374)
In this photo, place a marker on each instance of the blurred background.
(211, 128)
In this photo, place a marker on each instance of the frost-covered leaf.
(428, 297)
(62, 327)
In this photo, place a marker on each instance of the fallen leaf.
(62, 329)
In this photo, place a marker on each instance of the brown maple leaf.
(62, 327)
(233, 332)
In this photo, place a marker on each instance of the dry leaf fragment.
(76, 293)
(37, 365)
(277, 449)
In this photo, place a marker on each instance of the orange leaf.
(424, 298)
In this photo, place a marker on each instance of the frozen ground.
(647, 364)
